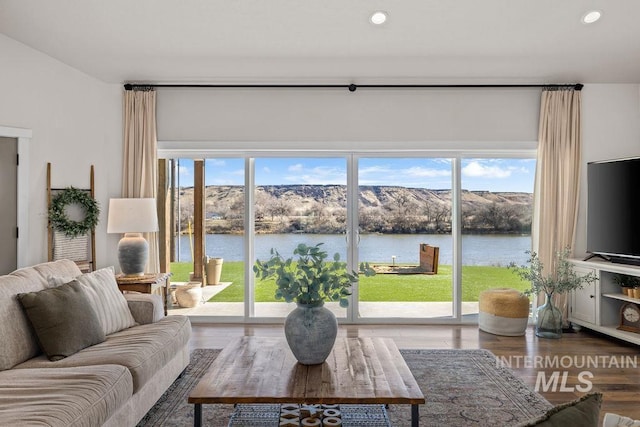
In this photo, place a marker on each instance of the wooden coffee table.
(263, 370)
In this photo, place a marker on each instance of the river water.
(496, 250)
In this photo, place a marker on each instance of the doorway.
(21, 138)
(9, 205)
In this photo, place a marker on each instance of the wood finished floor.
(619, 384)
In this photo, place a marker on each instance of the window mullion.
(352, 231)
(249, 227)
(456, 231)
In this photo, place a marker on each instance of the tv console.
(597, 306)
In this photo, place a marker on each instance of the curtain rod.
(351, 87)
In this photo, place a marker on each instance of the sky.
(477, 174)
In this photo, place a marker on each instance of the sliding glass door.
(404, 225)
(496, 217)
(437, 230)
(297, 200)
(223, 295)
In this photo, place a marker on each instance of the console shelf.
(598, 305)
(622, 297)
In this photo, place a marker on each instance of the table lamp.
(132, 217)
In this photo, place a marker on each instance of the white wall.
(76, 122)
(611, 130)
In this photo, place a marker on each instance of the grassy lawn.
(382, 287)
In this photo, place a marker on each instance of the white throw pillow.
(107, 300)
(55, 281)
(615, 420)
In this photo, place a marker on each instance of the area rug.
(461, 387)
(295, 415)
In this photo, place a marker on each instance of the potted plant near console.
(628, 284)
(310, 280)
(548, 318)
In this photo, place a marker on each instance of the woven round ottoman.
(503, 311)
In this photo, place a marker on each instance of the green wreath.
(58, 216)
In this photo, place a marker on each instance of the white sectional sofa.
(113, 382)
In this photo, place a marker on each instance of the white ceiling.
(322, 41)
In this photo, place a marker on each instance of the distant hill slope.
(382, 208)
(369, 195)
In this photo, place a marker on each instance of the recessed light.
(378, 17)
(591, 16)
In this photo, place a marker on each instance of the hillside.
(385, 209)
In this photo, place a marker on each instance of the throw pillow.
(53, 281)
(107, 300)
(63, 319)
(615, 420)
(583, 412)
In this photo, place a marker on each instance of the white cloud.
(420, 172)
(296, 168)
(373, 170)
(266, 169)
(476, 169)
(184, 171)
(521, 170)
(215, 162)
(415, 176)
(319, 175)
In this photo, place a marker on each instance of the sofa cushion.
(83, 396)
(63, 319)
(39, 272)
(19, 341)
(107, 300)
(145, 308)
(144, 349)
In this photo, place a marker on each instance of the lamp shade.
(132, 216)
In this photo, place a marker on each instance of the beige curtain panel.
(557, 177)
(139, 171)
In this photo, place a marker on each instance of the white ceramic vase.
(189, 295)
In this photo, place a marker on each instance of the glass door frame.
(352, 235)
(456, 230)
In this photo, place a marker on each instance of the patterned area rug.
(462, 388)
(294, 415)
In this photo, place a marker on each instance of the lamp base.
(133, 253)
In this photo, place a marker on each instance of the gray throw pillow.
(583, 412)
(63, 319)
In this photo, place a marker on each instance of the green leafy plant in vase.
(309, 281)
(563, 278)
(627, 283)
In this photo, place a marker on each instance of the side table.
(146, 284)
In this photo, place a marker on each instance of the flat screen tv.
(613, 210)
